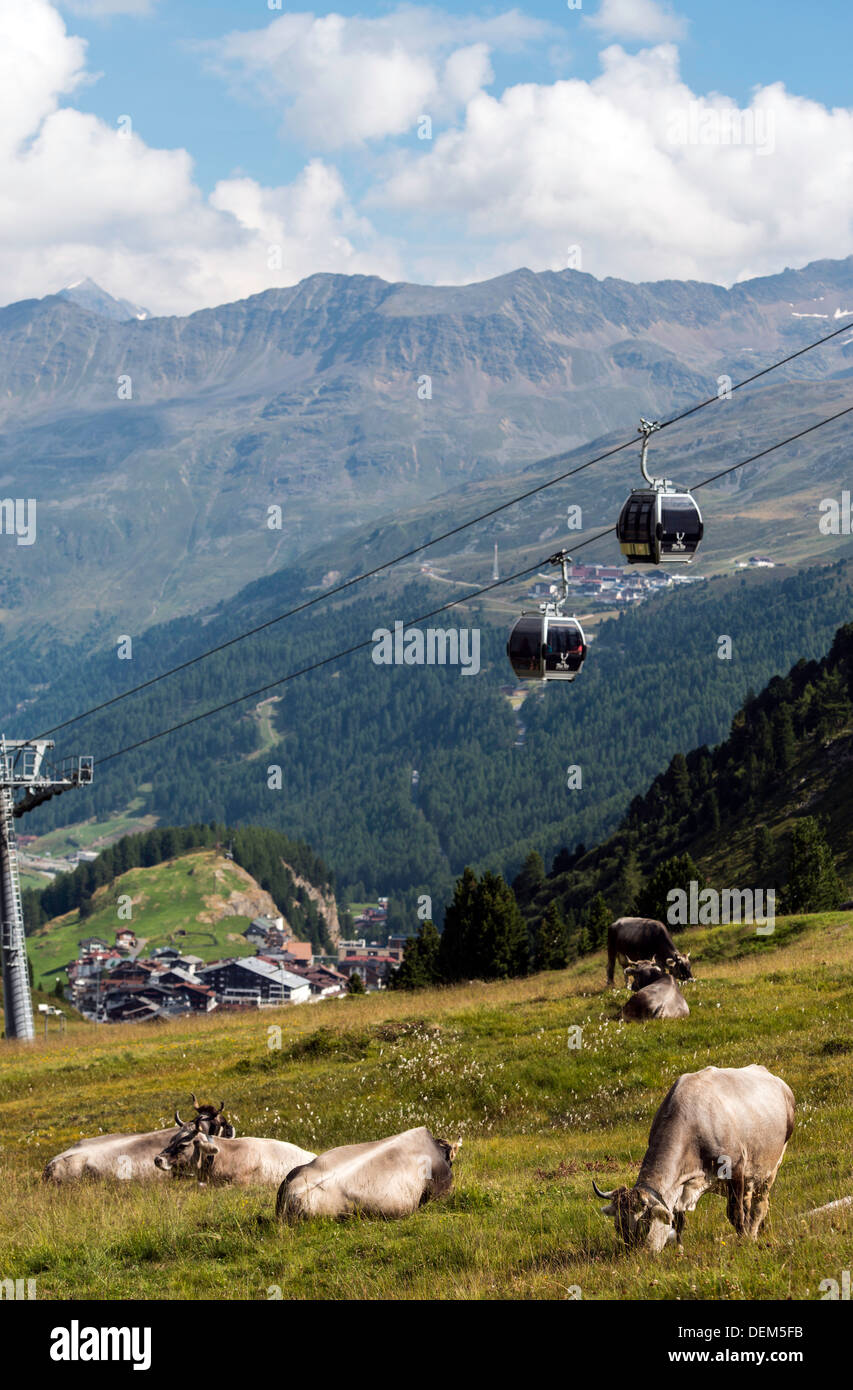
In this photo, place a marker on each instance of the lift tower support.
(23, 769)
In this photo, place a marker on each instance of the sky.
(185, 153)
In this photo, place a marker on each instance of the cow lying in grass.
(722, 1129)
(385, 1177)
(131, 1156)
(657, 995)
(246, 1162)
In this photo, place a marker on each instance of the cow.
(635, 938)
(639, 973)
(660, 998)
(385, 1177)
(215, 1124)
(179, 1151)
(722, 1129)
(245, 1162)
(128, 1156)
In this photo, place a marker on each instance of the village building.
(251, 980)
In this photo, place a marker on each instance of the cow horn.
(178, 1120)
(221, 1107)
(598, 1192)
(194, 1101)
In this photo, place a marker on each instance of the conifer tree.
(813, 883)
(552, 940)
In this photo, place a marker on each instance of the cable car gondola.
(548, 645)
(659, 524)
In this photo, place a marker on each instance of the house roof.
(183, 975)
(256, 965)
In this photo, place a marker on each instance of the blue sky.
(634, 138)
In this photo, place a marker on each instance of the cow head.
(641, 1216)
(449, 1150)
(679, 966)
(181, 1150)
(639, 973)
(213, 1121)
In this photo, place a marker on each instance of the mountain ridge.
(156, 447)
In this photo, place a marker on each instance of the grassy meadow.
(488, 1062)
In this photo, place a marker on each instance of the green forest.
(703, 801)
(348, 737)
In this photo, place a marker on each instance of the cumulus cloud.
(342, 81)
(646, 178)
(78, 197)
(638, 19)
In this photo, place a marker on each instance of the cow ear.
(609, 1210)
(659, 1212)
(454, 1149)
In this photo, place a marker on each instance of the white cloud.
(640, 173)
(638, 19)
(77, 199)
(341, 81)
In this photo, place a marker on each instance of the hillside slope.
(491, 1063)
(201, 901)
(348, 736)
(788, 755)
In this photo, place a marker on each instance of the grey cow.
(641, 938)
(385, 1177)
(246, 1162)
(722, 1129)
(657, 995)
(130, 1156)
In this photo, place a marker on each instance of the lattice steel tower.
(23, 769)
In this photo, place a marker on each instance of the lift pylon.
(24, 774)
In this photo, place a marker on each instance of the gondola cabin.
(546, 647)
(659, 526)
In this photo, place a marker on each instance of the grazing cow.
(128, 1155)
(386, 1177)
(661, 998)
(722, 1129)
(245, 1162)
(636, 938)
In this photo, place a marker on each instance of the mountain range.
(156, 446)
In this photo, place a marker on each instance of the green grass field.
(489, 1062)
(94, 833)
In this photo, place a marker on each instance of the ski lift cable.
(443, 536)
(496, 584)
